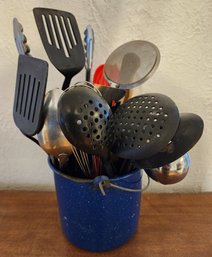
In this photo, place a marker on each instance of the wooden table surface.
(175, 225)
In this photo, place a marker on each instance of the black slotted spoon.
(61, 39)
(142, 126)
(29, 94)
(83, 116)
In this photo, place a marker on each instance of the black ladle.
(188, 133)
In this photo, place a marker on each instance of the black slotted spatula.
(61, 39)
(29, 94)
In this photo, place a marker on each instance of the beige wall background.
(180, 29)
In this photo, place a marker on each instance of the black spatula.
(29, 94)
(61, 39)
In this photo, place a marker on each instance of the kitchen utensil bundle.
(90, 126)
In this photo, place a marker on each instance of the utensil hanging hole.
(91, 113)
(85, 117)
(100, 116)
(90, 102)
(100, 105)
(96, 120)
(148, 141)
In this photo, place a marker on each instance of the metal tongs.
(20, 38)
(89, 49)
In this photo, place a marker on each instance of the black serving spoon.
(187, 135)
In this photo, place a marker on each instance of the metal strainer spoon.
(131, 64)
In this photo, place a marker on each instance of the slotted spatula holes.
(59, 32)
(27, 98)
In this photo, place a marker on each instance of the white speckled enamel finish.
(181, 30)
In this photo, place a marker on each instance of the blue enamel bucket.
(100, 214)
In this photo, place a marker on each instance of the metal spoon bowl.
(51, 137)
(171, 173)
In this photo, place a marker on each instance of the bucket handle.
(104, 182)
